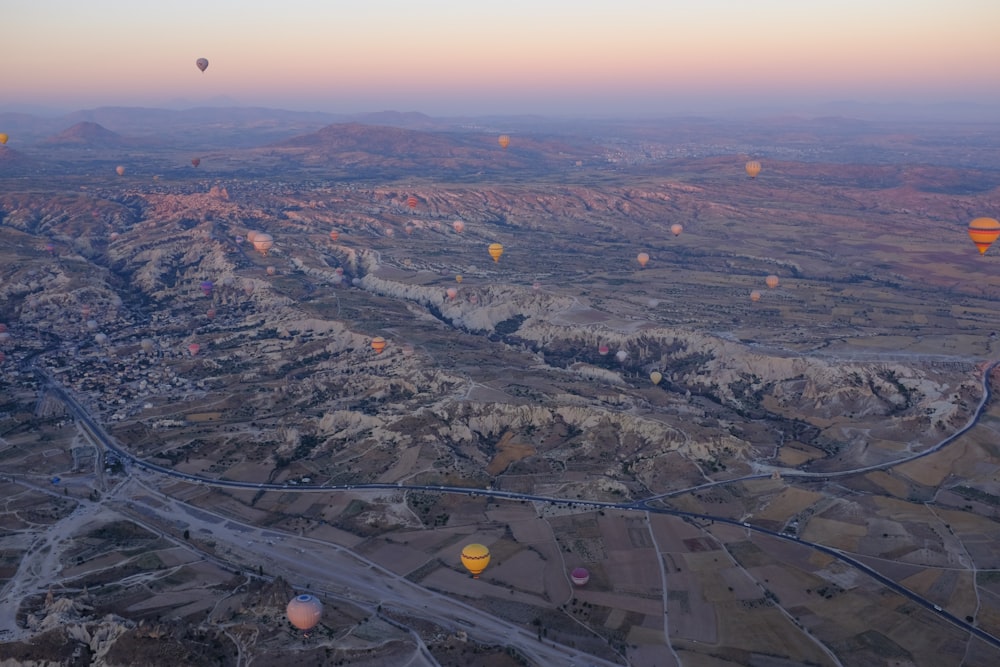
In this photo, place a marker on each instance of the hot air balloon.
(92, 325)
(101, 339)
(271, 270)
(579, 576)
(334, 235)
(378, 344)
(603, 350)
(655, 377)
(120, 170)
(458, 226)
(755, 296)
(475, 558)
(194, 348)
(496, 250)
(304, 611)
(411, 201)
(983, 232)
(503, 140)
(458, 278)
(642, 258)
(195, 161)
(408, 228)
(536, 286)
(210, 313)
(676, 229)
(147, 345)
(206, 287)
(3, 138)
(202, 64)
(251, 235)
(771, 281)
(753, 168)
(451, 292)
(262, 243)
(621, 356)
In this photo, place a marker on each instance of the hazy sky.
(575, 57)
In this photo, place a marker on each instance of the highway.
(643, 505)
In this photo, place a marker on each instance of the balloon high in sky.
(583, 57)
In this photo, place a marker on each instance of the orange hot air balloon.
(771, 281)
(195, 161)
(676, 229)
(304, 611)
(378, 344)
(983, 232)
(754, 296)
(753, 168)
(3, 138)
(642, 258)
(262, 243)
(496, 250)
(334, 235)
(120, 170)
(504, 141)
(475, 558)
(194, 348)
(411, 201)
(458, 226)
(451, 292)
(202, 64)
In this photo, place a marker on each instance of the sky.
(588, 58)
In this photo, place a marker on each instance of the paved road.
(642, 505)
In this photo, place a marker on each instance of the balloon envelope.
(304, 611)
(753, 168)
(194, 348)
(503, 140)
(475, 558)
(458, 226)
(202, 64)
(195, 161)
(411, 201)
(262, 243)
(983, 232)
(206, 287)
(642, 258)
(755, 296)
(3, 138)
(496, 250)
(579, 576)
(603, 350)
(120, 170)
(676, 229)
(655, 377)
(334, 235)
(378, 344)
(451, 292)
(772, 281)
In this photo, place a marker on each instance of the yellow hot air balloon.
(120, 170)
(771, 281)
(676, 229)
(983, 232)
(655, 377)
(496, 250)
(3, 138)
(475, 558)
(504, 141)
(642, 258)
(378, 344)
(753, 168)
(458, 278)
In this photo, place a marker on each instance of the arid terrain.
(193, 430)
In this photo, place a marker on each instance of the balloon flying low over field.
(983, 232)
(496, 250)
(475, 558)
(304, 611)
(753, 168)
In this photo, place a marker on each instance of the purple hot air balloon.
(206, 288)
